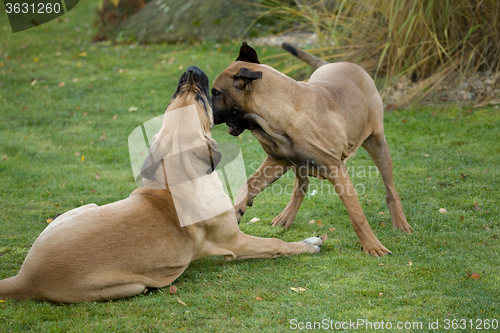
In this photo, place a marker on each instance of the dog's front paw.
(315, 243)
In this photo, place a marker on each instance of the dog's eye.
(215, 93)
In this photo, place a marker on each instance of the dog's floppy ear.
(247, 54)
(244, 78)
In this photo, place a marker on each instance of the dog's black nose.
(194, 70)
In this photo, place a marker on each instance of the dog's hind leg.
(376, 146)
(288, 214)
(342, 184)
(270, 170)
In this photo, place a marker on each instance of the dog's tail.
(14, 288)
(304, 56)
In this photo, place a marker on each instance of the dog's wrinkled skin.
(96, 253)
(311, 128)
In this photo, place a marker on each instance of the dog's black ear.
(244, 78)
(247, 54)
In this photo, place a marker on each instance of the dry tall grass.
(427, 40)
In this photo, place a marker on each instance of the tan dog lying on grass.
(96, 253)
(312, 128)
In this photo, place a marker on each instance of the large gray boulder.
(174, 20)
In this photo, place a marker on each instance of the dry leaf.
(49, 220)
(381, 264)
(382, 224)
(93, 191)
(462, 218)
(319, 223)
(255, 219)
(410, 263)
(332, 229)
(76, 154)
(442, 210)
(404, 120)
(476, 206)
(181, 302)
(116, 116)
(132, 109)
(475, 276)
(82, 54)
(172, 289)
(75, 80)
(298, 289)
(380, 294)
(258, 298)
(463, 175)
(33, 82)
(312, 222)
(62, 84)
(83, 157)
(145, 291)
(97, 176)
(2, 301)
(426, 155)
(381, 213)
(36, 59)
(103, 136)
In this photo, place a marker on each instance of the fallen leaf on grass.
(382, 224)
(475, 276)
(145, 291)
(312, 222)
(181, 302)
(404, 120)
(258, 298)
(442, 210)
(319, 223)
(132, 109)
(2, 301)
(75, 80)
(76, 154)
(410, 263)
(298, 289)
(33, 82)
(476, 206)
(83, 157)
(49, 220)
(255, 219)
(93, 191)
(426, 155)
(381, 264)
(116, 116)
(172, 289)
(97, 176)
(332, 229)
(62, 84)
(82, 54)
(103, 136)
(380, 294)
(463, 176)
(36, 59)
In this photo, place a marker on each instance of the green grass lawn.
(55, 138)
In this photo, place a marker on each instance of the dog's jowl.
(312, 128)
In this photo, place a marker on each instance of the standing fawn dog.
(310, 127)
(94, 253)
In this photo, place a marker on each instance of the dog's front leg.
(250, 247)
(270, 170)
(288, 214)
(342, 184)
